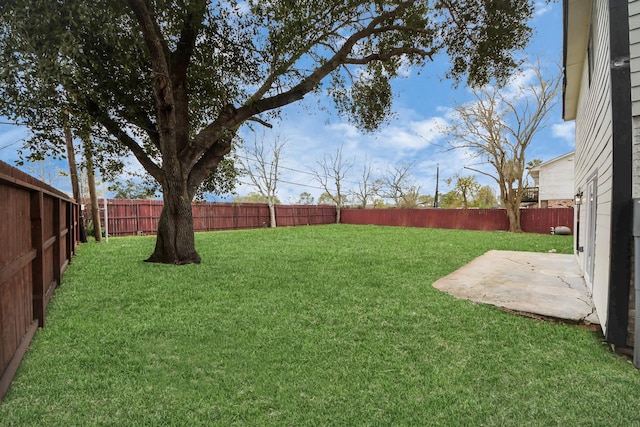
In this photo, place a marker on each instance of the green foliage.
(332, 199)
(450, 200)
(410, 199)
(468, 193)
(326, 199)
(486, 198)
(426, 200)
(305, 198)
(269, 336)
(173, 81)
(465, 190)
(533, 164)
(130, 189)
(91, 59)
(221, 181)
(475, 50)
(368, 104)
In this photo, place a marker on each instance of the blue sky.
(422, 105)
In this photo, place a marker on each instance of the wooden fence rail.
(131, 217)
(532, 220)
(38, 231)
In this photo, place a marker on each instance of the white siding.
(634, 48)
(556, 179)
(593, 154)
(634, 41)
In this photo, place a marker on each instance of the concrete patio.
(546, 285)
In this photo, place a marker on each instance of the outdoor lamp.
(578, 198)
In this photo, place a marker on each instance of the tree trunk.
(513, 212)
(73, 172)
(272, 214)
(175, 242)
(338, 209)
(95, 210)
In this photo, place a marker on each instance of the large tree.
(173, 80)
(498, 127)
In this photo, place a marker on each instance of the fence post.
(57, 252)
(71, 230)
(37, 265)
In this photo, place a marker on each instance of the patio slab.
(543, 284)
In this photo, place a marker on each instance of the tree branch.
(161, 75)
(188, 36)
(483, 173)
(114, 129)
(385, 56)
(262, 122)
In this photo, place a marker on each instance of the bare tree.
(260, 163)
(498, 127)
(367, 187)
(397, 184)
(331, 173)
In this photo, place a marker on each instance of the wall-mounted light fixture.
(577, 199)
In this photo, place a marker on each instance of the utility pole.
(435, 199)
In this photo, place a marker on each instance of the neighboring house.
(602, 94)
(554, 180)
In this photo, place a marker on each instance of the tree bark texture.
(272, 214)
(175, 242)
(91, 178)
(73, 172)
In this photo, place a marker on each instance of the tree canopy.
(172, 81)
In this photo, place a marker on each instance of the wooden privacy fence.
(131, 217)
(38, 231)
(532, 220)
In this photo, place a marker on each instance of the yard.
(323, 325)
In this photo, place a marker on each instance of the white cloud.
(344, 131)
(542, 8)
(430, 130)
(565, 131)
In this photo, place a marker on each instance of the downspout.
(636, 281)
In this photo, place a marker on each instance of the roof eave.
(577, 19)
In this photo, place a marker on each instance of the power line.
(279, 166)
(286, 182)
(291, 169)
(11, 143)
(301, 185)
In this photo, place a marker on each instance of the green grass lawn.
(324, 325)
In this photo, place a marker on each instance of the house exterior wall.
(556, 181)
(634, 57)
(634, 42)
(593, 154)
